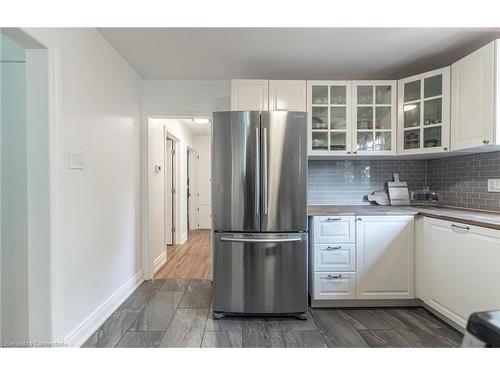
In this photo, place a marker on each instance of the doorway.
(25, 258)
(187, 233)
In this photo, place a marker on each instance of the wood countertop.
(487, 219)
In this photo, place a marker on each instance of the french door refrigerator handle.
(261, 240)
(257, 171)
(265, 172)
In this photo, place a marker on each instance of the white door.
(249, 95)
(385, 257)
(169, 196)
(203, 183)
(473, 99)
(287, 95)
(459, 269)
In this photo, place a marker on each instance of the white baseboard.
(184, 237)
(89, 325)
(159, 262)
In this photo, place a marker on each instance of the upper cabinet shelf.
(424, 113)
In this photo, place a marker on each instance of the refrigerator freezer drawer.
(260, 273)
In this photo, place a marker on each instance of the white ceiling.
(293, 53)
(196, 129)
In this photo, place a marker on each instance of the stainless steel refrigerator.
(259, 212)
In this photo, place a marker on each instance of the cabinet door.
(334, 229)
(473, 99)
(374, 117)
(287, 96)
(249, 95)
(339, 285)
(459, 269)
(329, 117)
(424, 113)
(385, 257)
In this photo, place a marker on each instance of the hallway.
(190, 260)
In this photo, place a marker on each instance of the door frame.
(193, 200)
(147, 258)
(173, 172)
(32, 40)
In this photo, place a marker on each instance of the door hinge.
(173, 191)
(173, 229)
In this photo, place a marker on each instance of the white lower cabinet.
(385, 253)
(459, 269)
(334, 285)
(363, 257)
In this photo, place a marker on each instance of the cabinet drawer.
(335, 257)
(334, 229)
(334, 285)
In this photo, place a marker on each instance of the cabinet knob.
(348, 152)
(354, 152)
(486, 141)
(330, 277)
(445, 148)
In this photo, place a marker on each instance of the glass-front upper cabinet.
(329, 111)
(374, 117)
(424, 112)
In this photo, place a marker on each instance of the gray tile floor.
(178, 313)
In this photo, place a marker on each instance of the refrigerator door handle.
(257, 171)
(261, 240)
(264, 172)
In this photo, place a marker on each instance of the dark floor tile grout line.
(175, 310)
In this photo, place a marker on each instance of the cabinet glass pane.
(337, 141)
(337, 118)
(432, 112)
(365, 141)
(382, 141)
(338, 95)
(365, 118)
(365, 94)
(411, 115)
(382, 117)
(412, 139)
(433, 86)
(320, 95)
(412, 91)
(383, 95)
(319, 140)
(320, 117)
(432, 137)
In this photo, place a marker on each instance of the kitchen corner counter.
(487, 219)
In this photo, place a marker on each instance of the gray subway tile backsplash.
(460, 181)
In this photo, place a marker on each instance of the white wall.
(203, 183)
(156, 190)
(186, 97)
(98, 209)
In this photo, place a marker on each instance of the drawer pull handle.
(333, 219)
(332, 277)
(460, 227)
(333, 247)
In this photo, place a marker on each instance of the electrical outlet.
(75, 160)
(494, 185)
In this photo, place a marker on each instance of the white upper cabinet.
(287, 96)
(385, 257)
(475, 85)
(424, 113)
(329, 117)
(374, 117)
(249, 95)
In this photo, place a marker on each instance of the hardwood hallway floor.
(190, 260)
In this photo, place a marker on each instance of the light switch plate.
(494, 185)
(75, 160)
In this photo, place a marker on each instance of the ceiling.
(293, 53)
(196, 129)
